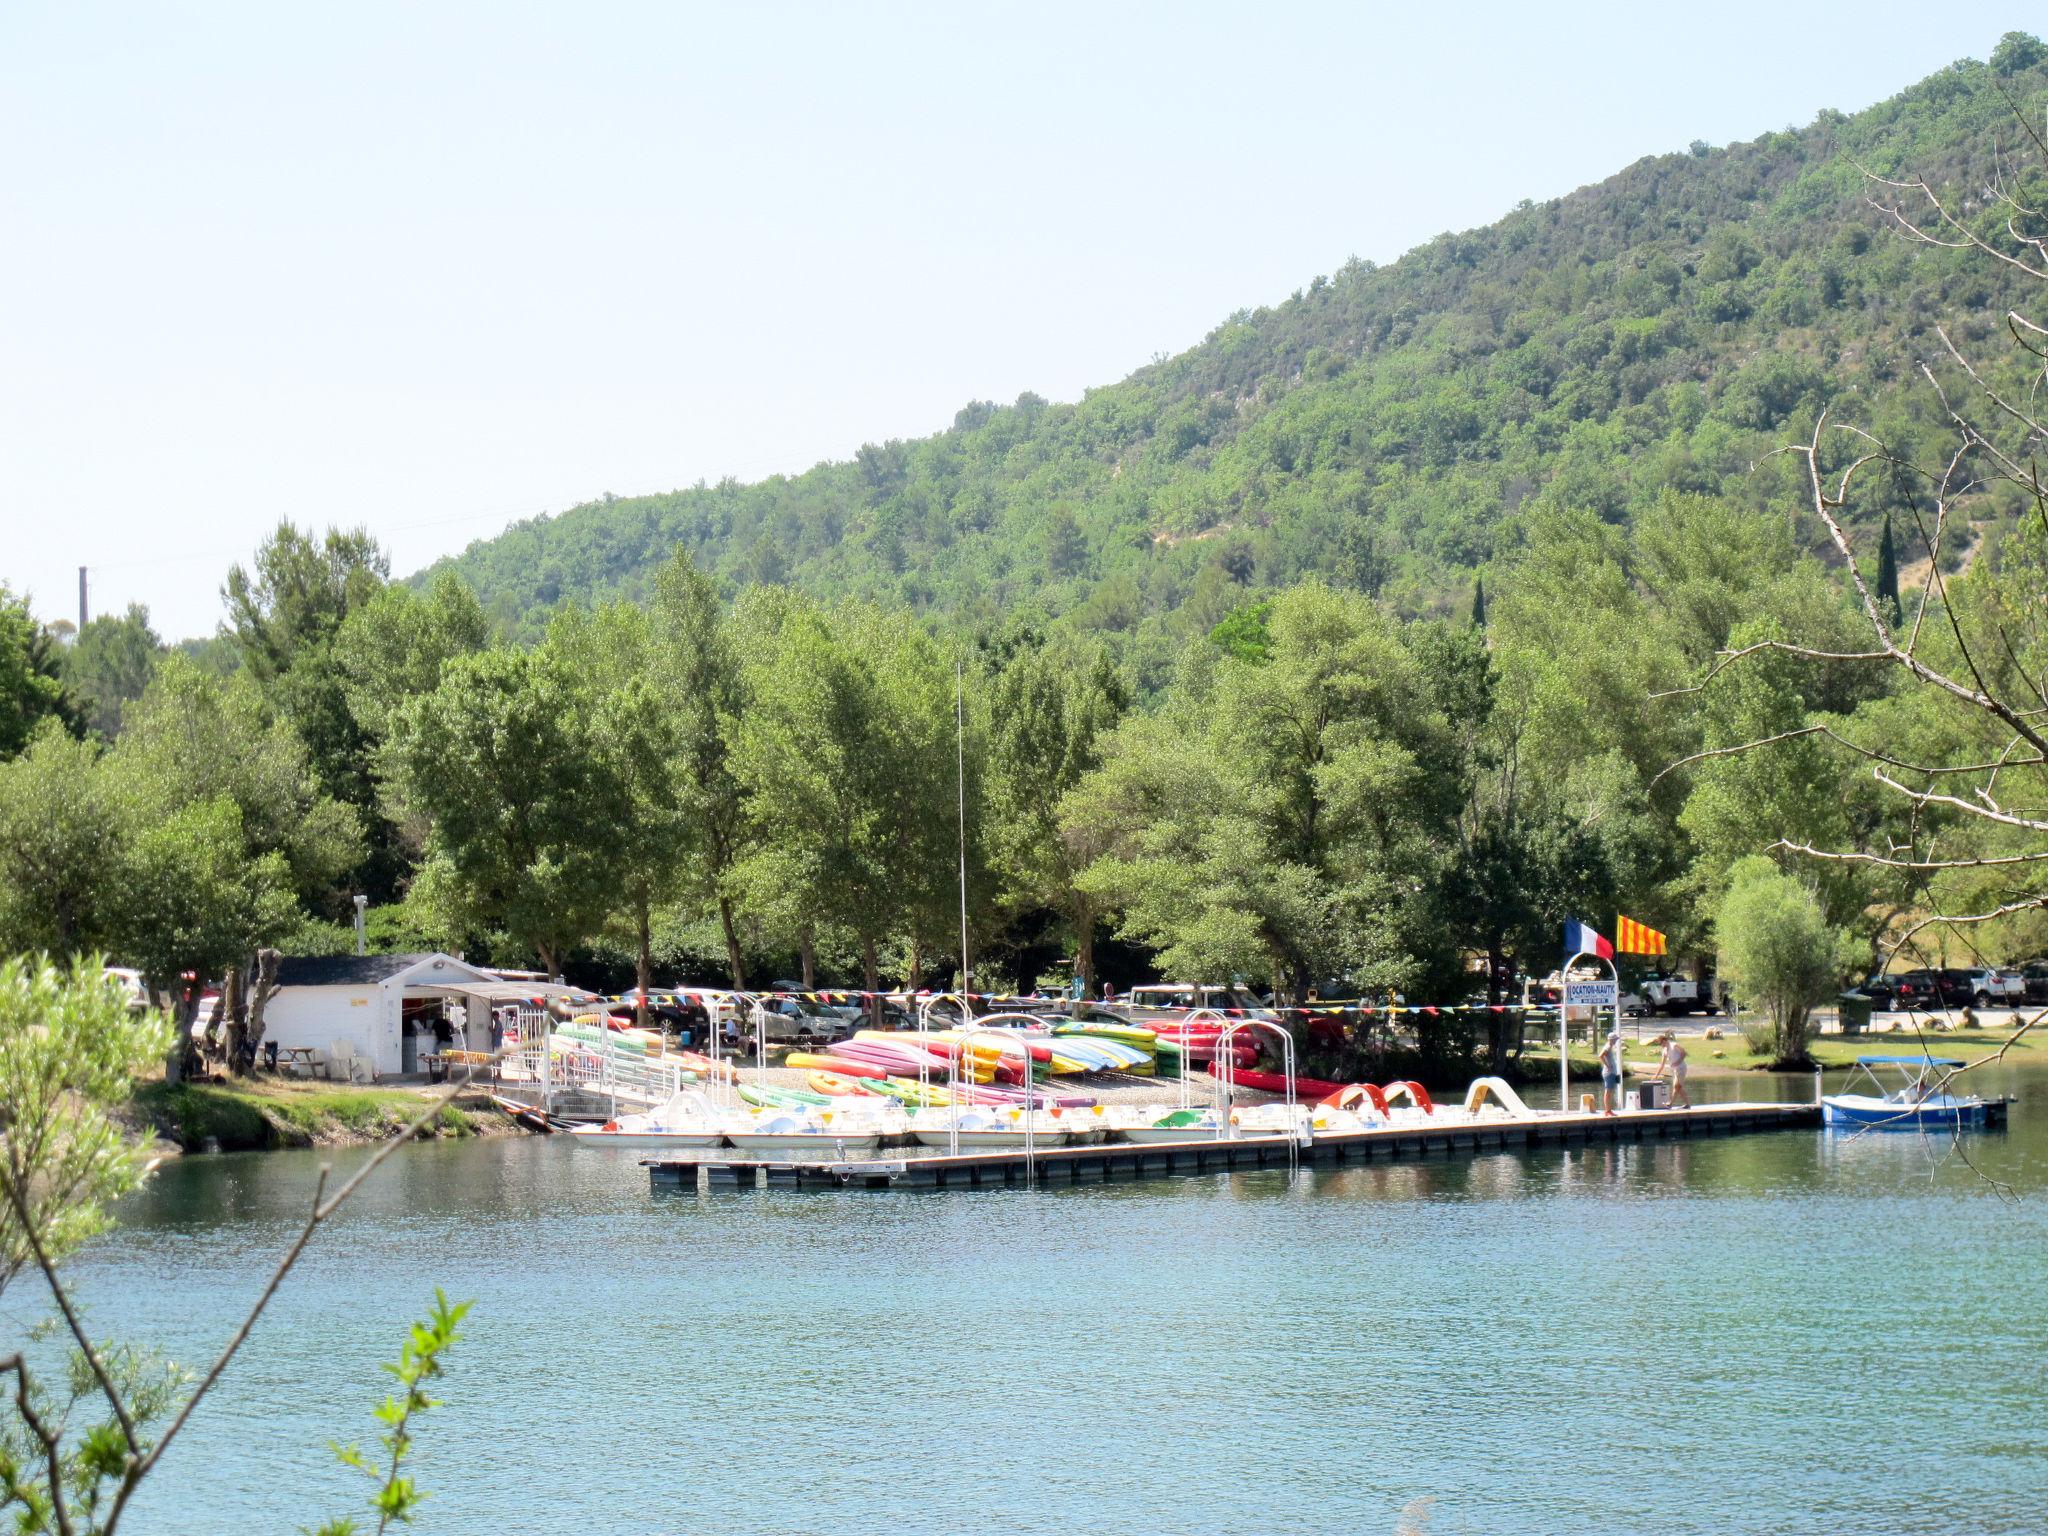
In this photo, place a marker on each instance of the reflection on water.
(1232, 1353)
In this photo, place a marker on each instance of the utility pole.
(81, 599)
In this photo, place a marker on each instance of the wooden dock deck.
(1108, 1162)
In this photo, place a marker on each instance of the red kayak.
(1275, 1082)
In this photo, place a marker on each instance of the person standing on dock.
(1610, 1073)
(1672, 1065)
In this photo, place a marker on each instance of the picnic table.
(297, 1060)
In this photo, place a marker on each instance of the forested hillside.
(1386, 427)
(1202, 710)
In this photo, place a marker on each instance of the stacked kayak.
(1195, 1042)
(1276, 1082)
(897, 1054)
(780, 1098)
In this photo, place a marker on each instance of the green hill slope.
(1668, 327)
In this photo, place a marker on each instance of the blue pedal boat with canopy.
(1907, 1093)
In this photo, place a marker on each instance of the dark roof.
(343, 970)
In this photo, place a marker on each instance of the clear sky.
(431, 268)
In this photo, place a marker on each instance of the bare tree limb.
(1928, 797)
(1851, 857)
(71, 1318)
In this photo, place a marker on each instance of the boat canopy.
(1909, 1061)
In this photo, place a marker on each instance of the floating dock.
(1111, 1162)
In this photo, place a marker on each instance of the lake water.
(1775, 1333)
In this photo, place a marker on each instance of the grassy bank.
(259, 1115)
(1731, 1053)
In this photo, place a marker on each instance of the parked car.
(2035, 974)
(1930, 989)
(1157, 997)
(847, 1010)
(1680, 994)
(799, 1021)
(1990, 986)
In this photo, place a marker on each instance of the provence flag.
(1584, 939)
(1632, 938)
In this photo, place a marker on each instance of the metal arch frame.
(1564, 1030)
(1229, 1079)
(967, 1037)
(1186, 1091)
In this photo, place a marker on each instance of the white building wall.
(319, 1016)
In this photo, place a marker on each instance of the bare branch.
(1928, 797)
(2025, 904)
(1728, 658)
(71, 1318)
(1839, 857)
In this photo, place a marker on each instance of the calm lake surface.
(1783, 1332)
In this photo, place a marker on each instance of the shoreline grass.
(260, 1115)
(1731, 1054)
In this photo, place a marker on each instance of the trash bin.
(1853, 1008)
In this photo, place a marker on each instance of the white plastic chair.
(344, 1065)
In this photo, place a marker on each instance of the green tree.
(701, 685)
(1888, 572)
(298, 593)
(285, 615)
(193, 738)
(1049, 705)
(63, 848)
(70, 1053)
(1280, 818)
(1779, 950)
(499, 762)
(31, 684)
(229, 831)
(396, 642)
(845, 755)
(608, 658)
(1746, 803)
(109, 664)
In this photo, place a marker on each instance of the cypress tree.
(1888, 572)
(1479, 602)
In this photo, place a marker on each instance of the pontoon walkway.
(1109, 1161)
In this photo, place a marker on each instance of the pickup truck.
(1679, 994)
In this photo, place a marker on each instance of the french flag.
(1584, 939)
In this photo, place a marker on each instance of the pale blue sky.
(432, 268)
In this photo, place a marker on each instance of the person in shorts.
(1610, 1073)
(1671, 1065)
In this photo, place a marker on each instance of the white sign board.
(1589, 994)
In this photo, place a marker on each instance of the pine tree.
(1479, 602)
(1888, 573)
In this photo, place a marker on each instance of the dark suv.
(1931, 989)
(2035, 976)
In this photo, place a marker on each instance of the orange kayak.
(840, 1066)
(832, 1084)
